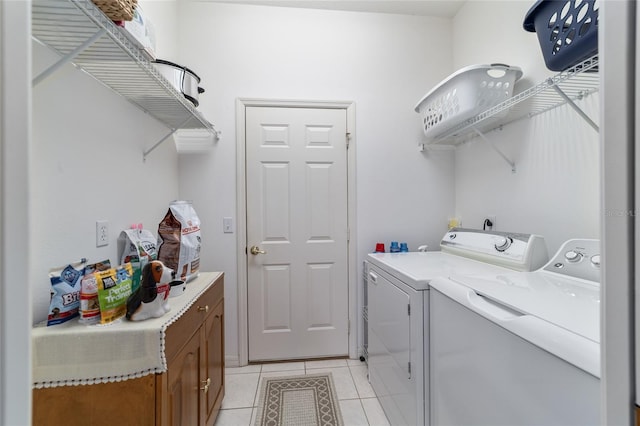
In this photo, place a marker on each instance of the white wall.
(555, 191)
(385, 63)
(86, 165)
(162, 14)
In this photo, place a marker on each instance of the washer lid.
(570, 303)
(417, 269)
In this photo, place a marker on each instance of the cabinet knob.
(205, 385)
(204, 308)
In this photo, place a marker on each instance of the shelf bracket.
(495, 148)
(573, 105)
(68, 58)
(157, 144)
(164, 138)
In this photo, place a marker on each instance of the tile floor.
(358, 402)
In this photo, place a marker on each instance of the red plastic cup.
(379, 247)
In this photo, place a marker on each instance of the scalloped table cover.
(76, 354)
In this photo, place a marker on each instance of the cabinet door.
(183, 385)
(214, 362)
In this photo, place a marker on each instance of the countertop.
(73, 353)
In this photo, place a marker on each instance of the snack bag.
(65, 292)
(89, 304)
(138, 247)
(134, 244)
(179, 240)
(114, 287)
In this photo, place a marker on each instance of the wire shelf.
(575, 83)
(79, 32)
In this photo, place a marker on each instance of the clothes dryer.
(398, 301)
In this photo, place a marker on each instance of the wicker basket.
(117, 10)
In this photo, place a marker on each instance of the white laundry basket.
(465, 93)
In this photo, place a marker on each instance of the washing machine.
(519, 348)
(398, 301)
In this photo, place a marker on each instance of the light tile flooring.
(358, 402)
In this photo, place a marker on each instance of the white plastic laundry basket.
(465, 93)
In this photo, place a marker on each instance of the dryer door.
(389, 348)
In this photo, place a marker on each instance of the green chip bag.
(114, 287)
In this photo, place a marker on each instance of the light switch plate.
(227, 225)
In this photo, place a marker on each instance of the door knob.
(256, 250)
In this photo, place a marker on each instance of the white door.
(296, 178)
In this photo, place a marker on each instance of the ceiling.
(439, 8)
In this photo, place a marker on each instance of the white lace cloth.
(76, 354)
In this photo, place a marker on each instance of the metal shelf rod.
(580, 112)
(167, 136)
(68, 58)
(496, 149)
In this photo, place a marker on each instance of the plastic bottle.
(379, 248)
(404, 248)
(394, 248)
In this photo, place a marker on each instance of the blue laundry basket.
(567, 30)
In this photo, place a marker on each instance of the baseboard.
(232, 361)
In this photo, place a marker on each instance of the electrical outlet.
(102, 233)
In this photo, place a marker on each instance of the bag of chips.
(114, 288)
(65, 292)
(89, 304)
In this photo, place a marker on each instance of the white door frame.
(241, 213)
(15, 238)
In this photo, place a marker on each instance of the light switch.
(227, 225)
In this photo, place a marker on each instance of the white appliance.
(398, 299)
(519, 348)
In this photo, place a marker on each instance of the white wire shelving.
(80, 33)
(563, 88)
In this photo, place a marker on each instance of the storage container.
(141, 31)
(567, 30)
(464, 94)
(117, 10)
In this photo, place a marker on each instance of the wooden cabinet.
(189, 393)
(182, 393)
(214, 363)
(193, 386)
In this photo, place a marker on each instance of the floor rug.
(298, 400)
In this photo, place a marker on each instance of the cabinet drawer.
(180, 332)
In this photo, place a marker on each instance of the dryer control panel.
(522, 252)
(578, 258)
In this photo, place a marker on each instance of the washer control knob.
(503, 243)
(573, 256)
(595, 260)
